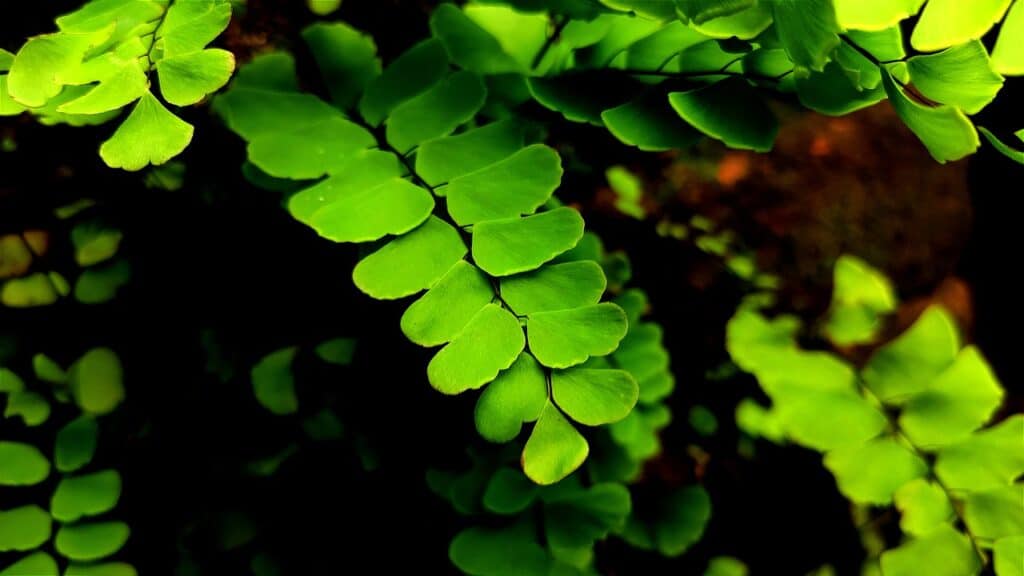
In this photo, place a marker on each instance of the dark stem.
(559, 26)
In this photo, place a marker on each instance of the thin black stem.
(705, 74)
(559, 26)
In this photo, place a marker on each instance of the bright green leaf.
(85, 542)
(946, 23)
(1011, 153)
(905, 366)
(594, 397)
(442, 160)
(88, 495)
(924, 506)
(1008, 55)
(874, 14)
(188, 78)
(394, 206)
(45, 369)
(555, 448)
(516, 396)
(860, 295)
(125, 86)
(441, 314)
(511, 187)
(468, 44)
(96, 381)
(1009, 556)
(38, 71)
(960, 76)
(436, 112)
(701, 11)
(649, 123)
(411, 74)
(490, 343)
(273, 382)
(871, 473)
(24, 528)
(554, 287)
(744, 25)
(995, 514)
(987, 459)
(808, 30)
(487, 552)
(190, 26)
(410, 263)
(564, 338)
(510, 246)
(309, 150)
(957, 403)
(944, 552)
(714, 109)
(150, 135)
(363, 170)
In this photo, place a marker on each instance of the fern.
(94, 384)
(657, 82)
(386, 171)
(905, 429)
(101, 61)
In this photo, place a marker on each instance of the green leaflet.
(410, 263)
(188, 78)
(442, 160)
(907, 365)
(573, 521)
(87, 495)
(874, 14)
(364, 170)
(489, 343)
(516, 396)
(555, 448)
(1008, 55)
(514, 186)
(872, 472)
(564, 338)
(988, 459)
(681, 521)
(832, 92)
(24, 528)
(945, 23)
(76, 444)
(923, 507)
(441, 314)
(960, 76)
(944, 552)
(104, 569)
(273, 383)
(509, 492)
(100, 60)
(554, 287)
(995, 514)
(150, 135)
(507, 552)
(956, 403)
(310, 150)
(96, 381)
(468, 44)
(37, 564)
(582, 97)
(85, 542)
(394, 206)
(594, 396)
(713, 110)
(860, 296)
(347, 59)
(807, 29)
(745, 25)
(411, 74)
(436, 112)
(514, 245)
(1009, 556)
(30, 406)
(701, 11)
(649, 123)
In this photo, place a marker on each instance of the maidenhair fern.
(104, 59)
(467, 217)
(906, 429)
(85, 535)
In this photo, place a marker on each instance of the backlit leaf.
(489, 343)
